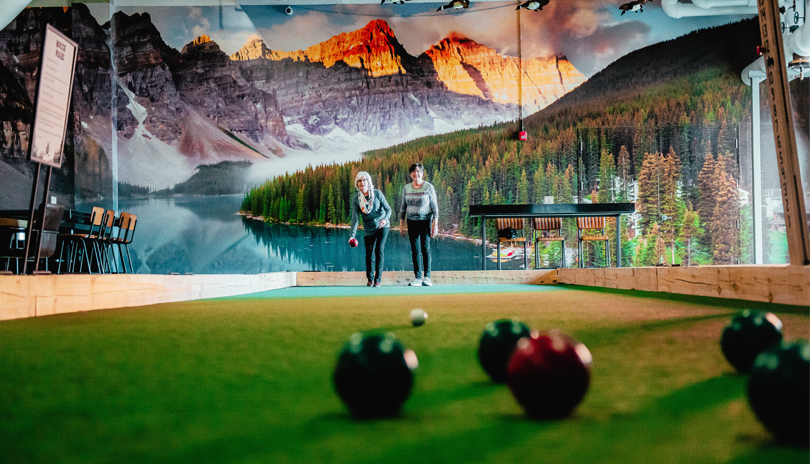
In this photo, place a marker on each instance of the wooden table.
(13, 222)
(16, 222)
(73, 220)
(553, 210)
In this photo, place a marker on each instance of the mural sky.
(592, 34)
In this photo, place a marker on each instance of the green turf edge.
(697, 299)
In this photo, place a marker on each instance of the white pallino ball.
(418, 317)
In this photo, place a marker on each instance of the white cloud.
(195, 13)
(319, 26)
(229, 41)
(202, 28)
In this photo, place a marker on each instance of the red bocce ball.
(549, 374)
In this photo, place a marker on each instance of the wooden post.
(787, 157)
(31, 209)
(42, 218)
(483, 243)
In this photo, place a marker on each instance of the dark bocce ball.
(747, 335)
(779, 391)
(497, 345)
(374, 375)
(549, 374)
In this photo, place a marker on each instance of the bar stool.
(544, 227)
(584, 223)
(126, 232)
(77, 240)
(511, 224)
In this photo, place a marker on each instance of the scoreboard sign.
(53, 97)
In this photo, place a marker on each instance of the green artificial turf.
(248, 380)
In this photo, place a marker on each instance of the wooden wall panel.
(774, 283)
(537, 277)
(30, 296)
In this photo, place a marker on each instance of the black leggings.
(420, 231)
(375, 253)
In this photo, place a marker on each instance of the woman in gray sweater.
(419, 207)
(371, 205)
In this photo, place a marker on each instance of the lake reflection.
(204, 235)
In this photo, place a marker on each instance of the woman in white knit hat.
(370, 204)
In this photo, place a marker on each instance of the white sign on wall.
(53, 97)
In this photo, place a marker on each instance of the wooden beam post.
(787, 157)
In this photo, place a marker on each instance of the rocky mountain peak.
(470, 68)
(379, 26)
(130, 24)
(138, 43)
(254, 48)
(458, 45)
(373, 48)
(202, 44)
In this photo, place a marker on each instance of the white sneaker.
(426, 282)
(415, 283)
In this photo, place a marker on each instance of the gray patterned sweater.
(419, 204)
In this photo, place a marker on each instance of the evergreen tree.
(523, 189)
(746, 235)
(539, 185)
(282, 210)
(331, 208)
(684, 134)
(301, 211)
(650, 189)
(607, 173)
(671, 206)
(624, 175)
(689, 231)
(567, 191)
(725, 231)
(392, 197)
(661, 255)
(322, 207)
(340, 211)
(558, 188)
(628, 244)
(551, 181)
(467, 224)
(645, 253)
(449, 211)
(708, 190)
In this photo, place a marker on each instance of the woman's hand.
(434, 231)
(401, 228)
(382, 224)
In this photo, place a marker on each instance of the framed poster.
(53, 97)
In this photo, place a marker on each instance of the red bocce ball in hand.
(353, 242)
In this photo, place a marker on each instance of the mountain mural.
(176, 110)
(664, 126)
(469, 68)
